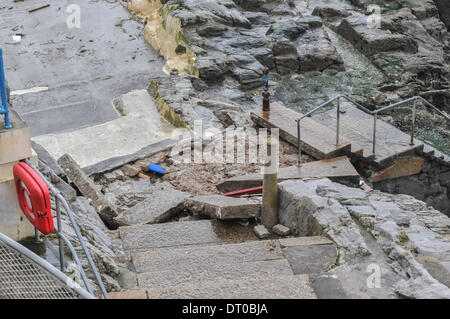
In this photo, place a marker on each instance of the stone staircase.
(318, 134)
(198, 259)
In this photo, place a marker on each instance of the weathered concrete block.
(162, 203)
(281, 230)
(223, 207)
(89, 189)
(261, 231)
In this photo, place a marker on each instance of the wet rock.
(212, 30)
(209, 71)
(246, 70)
(444, 11)
(223, 207)
(264, 56)
(261, 231)
(316, 52)
(372, 41)
(258, 18)
(289, 29)
(327, 11)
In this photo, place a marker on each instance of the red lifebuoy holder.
(34, 198)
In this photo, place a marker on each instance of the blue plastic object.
(4, 98)
(155, 168)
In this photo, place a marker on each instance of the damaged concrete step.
(146, 237)
(164, 203)
(198, 256)
(337, 169)
(223, 207)
(213, 272)
(274, 286)
(357, 127)
(317, 140)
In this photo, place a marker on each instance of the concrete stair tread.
(153, 236)
(213, 273)
(317, 140)
(270, 287)
(198, 256)
(391, 142)
(338, 168)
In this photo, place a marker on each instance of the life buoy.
(34, 198)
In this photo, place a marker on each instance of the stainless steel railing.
(25, 275)
(59, 199)
(365, 110)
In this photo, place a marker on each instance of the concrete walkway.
(140, 126)
(77, 71)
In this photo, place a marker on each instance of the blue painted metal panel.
(4, 97)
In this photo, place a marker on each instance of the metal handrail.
(365, 110)
(61, 238)
(46, 266)
(4, 95)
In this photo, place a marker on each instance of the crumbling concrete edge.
(115, 162)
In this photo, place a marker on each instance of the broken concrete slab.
(304, 241)
(193, 257)
(261, 231)
(320, 146)
(147, 237)
(162, 203)
(314, 259)
(275, 286)
(337, 169)
(90, 190)
(223, 207)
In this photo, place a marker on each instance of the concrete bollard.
(269, 211)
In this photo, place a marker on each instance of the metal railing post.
(4, 96)
(299, 141)
(60, 240)
(413, 124)
(374, 142)
(338, 116)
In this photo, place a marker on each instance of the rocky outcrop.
(404, 237)
(444, 11)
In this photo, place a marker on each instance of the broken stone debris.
(87, 187)
(261, 231)
(281, 230)
(223, 207)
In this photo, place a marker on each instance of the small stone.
(261, 231)
(281, 230)
(110, 177)
(130, 171)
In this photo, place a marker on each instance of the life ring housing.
(34, 198)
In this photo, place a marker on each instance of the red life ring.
(34, 198)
